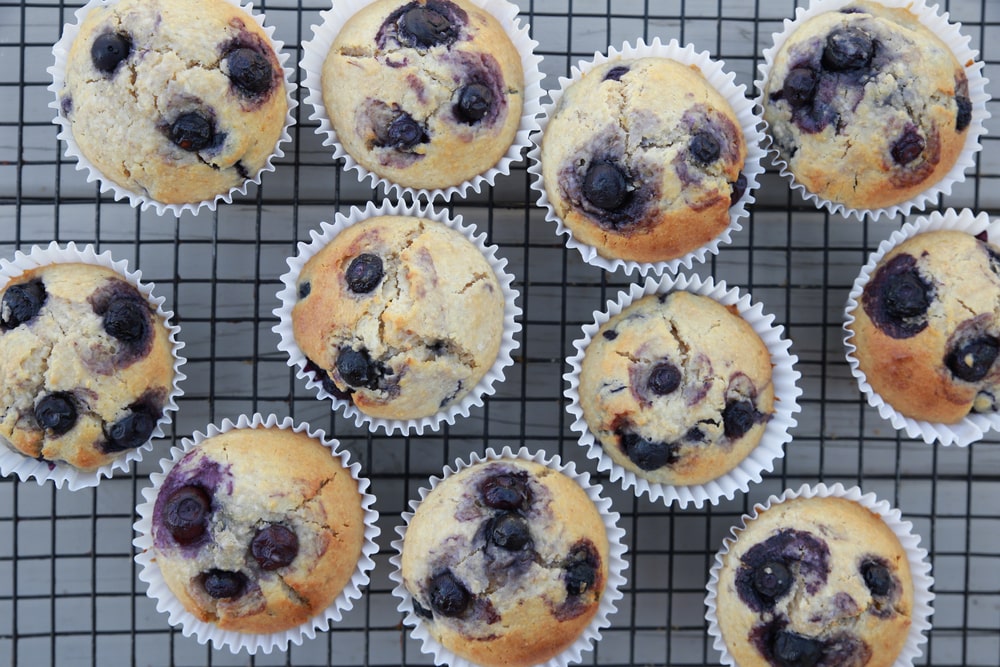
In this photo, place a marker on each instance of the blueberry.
(794, 650)
(646, 454)
(510, 531)
(877, 577)
(304, 289)
(800, 86)
(704, 148)
(506, 492)
(772, 579)
(847, 49)
(694, 434)
(274, 546)
(581, 568)
(128, 320)
(329, 386)
(357, 368)
(364, 273)
(109, 50)
(250, 71)
(192, 131)
(402, 133)
(605, 185)
(908, 147)
(221, 584)
(426, 27)
(56, 413)
(448, 596)
(616, 73)
(474, 102)
(131, 431)
(971, 361)
(897, 298)
(185, 512)
(664, 379)
(739, 187)
(738, 417)
(21, 303)
(610, 334)
(422, 611)
(964, 116)
(906, 295)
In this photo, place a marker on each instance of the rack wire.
(68, 588)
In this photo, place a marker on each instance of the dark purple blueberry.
(605, 185)
(694, 434)
(250, 71)
(616, 73)
(739, 187)
(192, 131)
(791, 649)
(800, 86)
(897, 298)
(221, 584)
(704, 148)
(510, 531)
(364, 273)
(109, 50)
(304, 289)
(474, 102)
(772, 579)
(133, 430)
(426, 27)
(506, 492)
(664, 379)
(581, 568)
(908, 147)
(128, 320)
(329, 386)
(274, 546)
(906, 296)
(21, 303)
(738, 417)
(877, 577)
(56, 413)
(646, 454)
(402, 133)
(847, 49)
(610, 334)
(447, 595)
(422, 611)
(357, 368)
(185, 513)
(972, 360)
(964, 116)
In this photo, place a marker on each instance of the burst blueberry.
(448, 596)
(972, 360)
(877, 578)
(908, 147)
(224, 585)
(847, 49)
(605, 185)
(800, 86)
(505, 492)
(185, 513)
(109, 50)
(192, 131)
(357, 368)
(364, 273)
(403, 133)
(616, 73)
(21, 303)
(963, 115)
(794, 650)
(581, 568)
(56, 413)
(739, 188)
(274, 546)
(704, 148)
(250, 71)
(425, 27)
(647, 454)
(128, 320)
(474, 102)
(304, 289)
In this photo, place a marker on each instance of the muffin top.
(400, 315)
(867, 106)
(258, 529)
(426, 94)
(506, 561)
(928, 329)
(642, 159)
(677, 388)
(177, 100)
(86, 365)
(822, 582)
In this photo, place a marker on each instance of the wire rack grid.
(69, 594)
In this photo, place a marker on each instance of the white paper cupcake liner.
(974, 426)
(616, 560)
(776, 434)
(13, 462)
(314, 54)
(950, 34)
(920, 567)
(476, 396)
(204, 632)
(137, 199)
(718, 78)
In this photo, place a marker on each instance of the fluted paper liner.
(776, 434)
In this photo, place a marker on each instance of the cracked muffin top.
(867, 106)
(642, 159)
(815, 582)
(258, 529)
(86, 365)
(426, 94)
(928, 330)
(402, 316)
(177, 100)
(506, 562)
(677, 388)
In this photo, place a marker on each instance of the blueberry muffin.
(642, 159)
(928, 329)
(177, 100)
(426, 94)
(258, 529)
(86, 365)
(867, 106)
(819, 582)
(402, 316)
(506, 562)
(677, 388)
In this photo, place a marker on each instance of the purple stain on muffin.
(582, 577)
(422, 26)
(252, 68)
(191, 472)
(769, 570)
(127, 318)
(897, 298)
(782, 647)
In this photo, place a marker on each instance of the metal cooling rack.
(68, 588)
